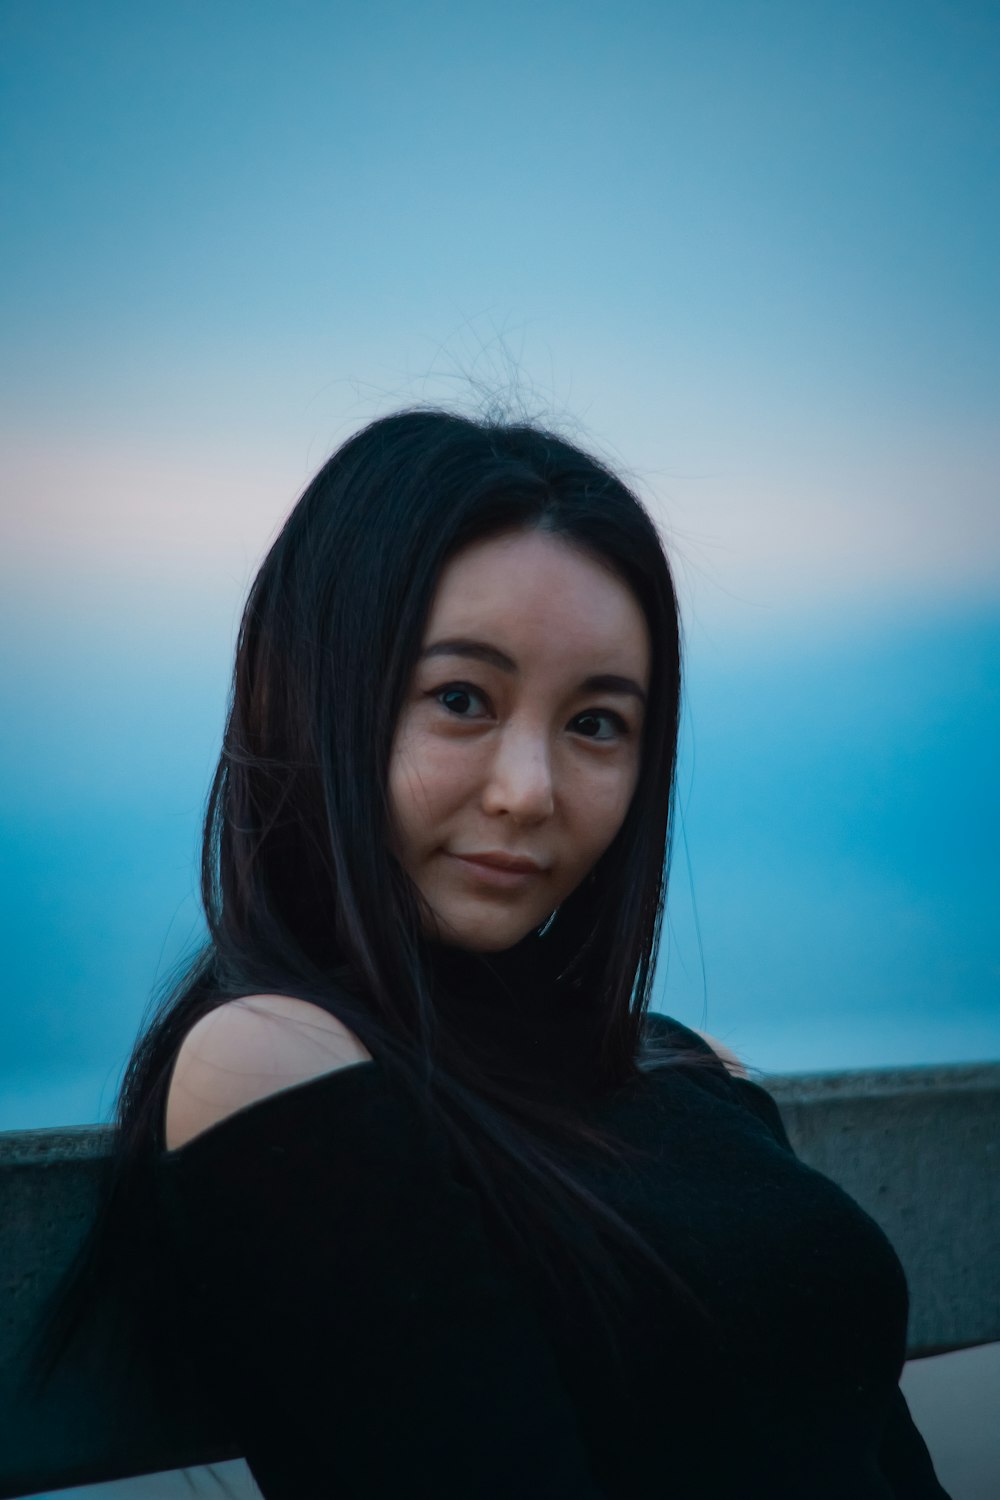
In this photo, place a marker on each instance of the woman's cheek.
(430, 772)
(443, 765)
(608, 807)
(606, 793)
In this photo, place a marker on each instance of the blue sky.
(747, 250)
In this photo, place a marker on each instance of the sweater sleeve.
(763, 1105)
(343, 1294)
(904, 1459)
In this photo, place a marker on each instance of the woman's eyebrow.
(600, 682)
(475, 650)
(610, 682)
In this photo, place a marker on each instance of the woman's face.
(518, 747)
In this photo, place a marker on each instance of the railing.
(919, 1148)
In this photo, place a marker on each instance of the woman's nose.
(519, 782)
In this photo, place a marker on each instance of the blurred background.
(748, 252)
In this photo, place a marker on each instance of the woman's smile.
(500, 871)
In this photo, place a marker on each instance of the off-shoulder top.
(368, 1336)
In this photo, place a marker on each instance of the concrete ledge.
(919, 1148)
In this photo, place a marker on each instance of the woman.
(432, 1207)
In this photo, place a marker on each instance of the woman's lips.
(502, 871)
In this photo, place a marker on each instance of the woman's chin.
(478, 935)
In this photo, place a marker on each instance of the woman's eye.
(462, 701)
(600, 725)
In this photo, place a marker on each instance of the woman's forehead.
(528, 593)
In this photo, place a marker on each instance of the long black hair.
(301, 891)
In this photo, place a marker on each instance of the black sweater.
(355, 1313)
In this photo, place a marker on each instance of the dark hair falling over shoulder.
(300, 888)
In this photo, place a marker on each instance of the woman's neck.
(511, 1018)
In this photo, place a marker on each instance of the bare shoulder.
(725, 1054)
(244, 1051)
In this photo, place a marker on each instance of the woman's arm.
(345, 1299)
(903, 1456)
(904, 1459)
